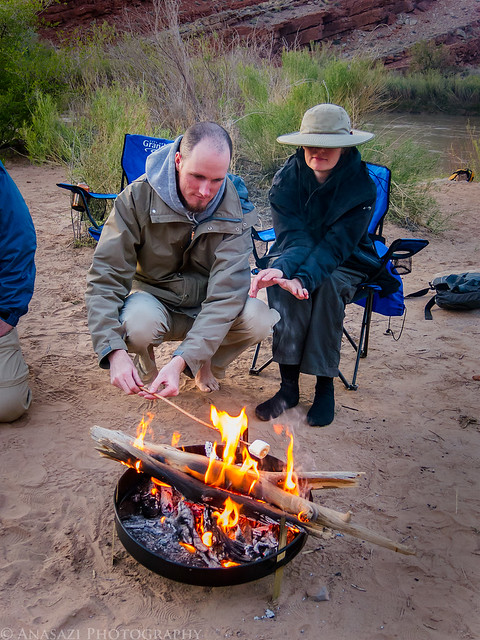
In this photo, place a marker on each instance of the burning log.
(319, 479)
(186, 472)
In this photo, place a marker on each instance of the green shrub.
(47, 137)
(27, 66)
(412, 204)
(427, 56)
(101, 124)
(433, 91)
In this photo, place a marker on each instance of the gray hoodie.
(161, 174)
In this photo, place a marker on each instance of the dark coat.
(17, 251)
(320, 227)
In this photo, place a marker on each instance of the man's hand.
(264, 278)
(269, 277)
(4, 328)
(123, 373)
(169, 377)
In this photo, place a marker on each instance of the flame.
(159, 483)
(229, 563)
(175, 438)
(207, 538)
(142, 430)
(249, 464)
(229, 516)
(137, 466)
(289, 484)
(231, 429)
(188, 547)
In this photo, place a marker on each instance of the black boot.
(322, 410)
(284, 399)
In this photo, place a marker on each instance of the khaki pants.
(147, 321)
(15, 396)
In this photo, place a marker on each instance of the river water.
(447, 136)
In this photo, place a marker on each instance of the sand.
(412, 427)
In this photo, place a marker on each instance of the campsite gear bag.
(453, 291)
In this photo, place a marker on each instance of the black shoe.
(322, 411)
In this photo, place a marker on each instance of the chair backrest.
(382, 177)
(136, 149)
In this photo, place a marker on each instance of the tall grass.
(116, 83)
(48, 137)
(275, 102)
(434, 91)
(111, 112)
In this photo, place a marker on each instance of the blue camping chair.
(394, 258)
(136, 149)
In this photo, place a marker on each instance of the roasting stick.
(175, 406)
(258, 448)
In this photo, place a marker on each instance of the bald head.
(217, 137)
(202, 162)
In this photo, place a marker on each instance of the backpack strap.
(418, 294)
(428, 308)
(430, 303)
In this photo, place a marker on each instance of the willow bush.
(433, 91)
(109, 84)
(275, 103)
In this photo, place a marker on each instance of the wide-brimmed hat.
(327, 126)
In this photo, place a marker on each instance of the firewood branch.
(181, 469)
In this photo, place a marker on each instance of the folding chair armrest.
(407, 247)
(85, 196)
(402, 248)
(74, 188)
(264, 235)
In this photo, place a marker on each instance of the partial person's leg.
(253, 325)
(15, 395)
(289, 336)
(145, 321)
(321, 356)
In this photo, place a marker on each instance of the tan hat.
(327, 126)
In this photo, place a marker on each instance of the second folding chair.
(393, 258)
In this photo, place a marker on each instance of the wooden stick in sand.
(183, 468)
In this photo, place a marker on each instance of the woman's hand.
(269, 277)
(294, 286)
(264, 278)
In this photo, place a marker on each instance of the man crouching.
(172, 263)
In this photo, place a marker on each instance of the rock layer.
(388, 27)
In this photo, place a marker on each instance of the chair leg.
(348, 385)
(254, 370)
(362, 347)
(367, 318)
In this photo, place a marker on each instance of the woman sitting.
(322, 201)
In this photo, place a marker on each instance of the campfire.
(216, 514)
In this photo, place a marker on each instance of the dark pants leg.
(309, 333)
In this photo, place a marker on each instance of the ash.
(163, 521)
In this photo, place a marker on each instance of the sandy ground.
(412, 427)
